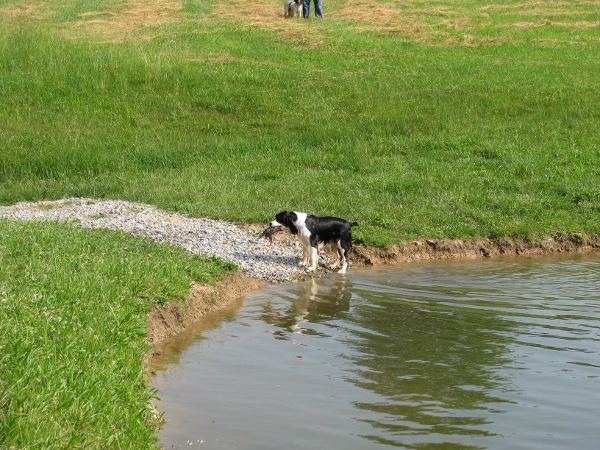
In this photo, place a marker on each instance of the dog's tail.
(353, 224)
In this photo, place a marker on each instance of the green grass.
(74, 305)
(416, 119)
(493, 134)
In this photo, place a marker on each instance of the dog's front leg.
(314, 252)
(305, 255)
(314, 258)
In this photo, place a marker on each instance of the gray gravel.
(224, 240)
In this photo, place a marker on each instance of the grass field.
(416, 118)
(439, 119)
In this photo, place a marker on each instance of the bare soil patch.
(540, 6)
(384, 17)
(424, 249)
(438, 23)
(135, 17)
(131, 18)
(574, 26)
(33, 10)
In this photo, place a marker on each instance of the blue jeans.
(318, 8)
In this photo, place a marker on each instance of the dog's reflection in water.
(318, 301)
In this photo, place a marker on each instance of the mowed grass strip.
(73, 310)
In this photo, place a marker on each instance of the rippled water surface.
(495, 353)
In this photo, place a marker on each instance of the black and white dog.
(314, 232)
(292, 8)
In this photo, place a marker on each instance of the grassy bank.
(416, 118)
(461, 119)
(73, 307)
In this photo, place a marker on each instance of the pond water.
(494, 353)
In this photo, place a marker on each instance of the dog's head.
(298, 2)
(286, 219)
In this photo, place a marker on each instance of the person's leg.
(319, 9)
(306, 8)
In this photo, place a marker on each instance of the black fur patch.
(288, 218)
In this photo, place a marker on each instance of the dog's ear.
(293, 217)
(282, 216)
(286, 217)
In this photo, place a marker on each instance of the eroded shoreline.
(260, 263)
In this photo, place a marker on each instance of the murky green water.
(495, 353)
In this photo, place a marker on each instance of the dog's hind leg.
(344, 261)
(344, 246)
(340, 257)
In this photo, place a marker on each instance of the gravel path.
(225, 240)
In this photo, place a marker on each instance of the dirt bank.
(457, 248)
(176, 316)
